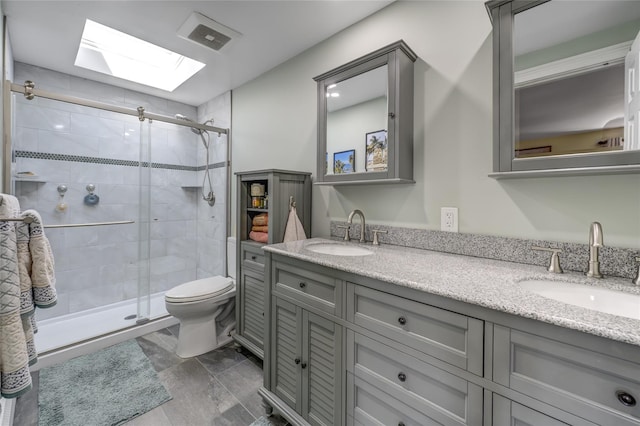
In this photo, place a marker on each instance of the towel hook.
(292, 204)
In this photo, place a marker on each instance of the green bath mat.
(107, 387)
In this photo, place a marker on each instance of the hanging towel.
(294, 230)
(37, 277)
(14, 360)
(43, 278)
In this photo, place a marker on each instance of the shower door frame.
(30, 92)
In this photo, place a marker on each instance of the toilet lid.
(199, 289)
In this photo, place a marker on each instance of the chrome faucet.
(595, 242)
(362, 227)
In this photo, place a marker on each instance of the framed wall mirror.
(365, 119)
(566, 74)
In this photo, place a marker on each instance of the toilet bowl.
(205, 309)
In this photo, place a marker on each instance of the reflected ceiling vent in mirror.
(207, 32)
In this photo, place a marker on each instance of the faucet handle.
(346, 231)
(636, 280)
(554, 264)
(375, 235)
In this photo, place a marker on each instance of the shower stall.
(133, 202)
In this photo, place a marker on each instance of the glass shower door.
(79, 165)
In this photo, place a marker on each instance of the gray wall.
(274, 125)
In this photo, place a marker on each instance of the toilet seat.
(202, 289)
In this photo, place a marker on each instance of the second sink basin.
(586, 296)
(339, 249)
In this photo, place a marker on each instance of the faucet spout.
(362, 227)
(595, 242)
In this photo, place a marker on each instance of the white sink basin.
(339, 249)
(595, 298)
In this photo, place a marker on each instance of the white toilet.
(205, 309)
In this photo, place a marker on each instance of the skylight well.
(115, 53)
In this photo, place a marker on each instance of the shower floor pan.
(68, 330)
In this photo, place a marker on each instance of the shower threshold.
(68, 330)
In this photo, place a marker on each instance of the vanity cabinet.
(276, 189)
(343, 349)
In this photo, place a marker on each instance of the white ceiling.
(47, 34)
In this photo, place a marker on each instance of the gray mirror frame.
(399, 58)
(505, 165)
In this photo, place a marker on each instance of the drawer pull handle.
(303, 285)
(303, 365)
(626, 399)
(402, 377)
(297, 360)
(402, 320)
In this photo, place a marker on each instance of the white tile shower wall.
(212, 220)
(99, 265)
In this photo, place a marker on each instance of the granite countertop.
(488, 283)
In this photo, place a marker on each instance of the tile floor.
(217, 388)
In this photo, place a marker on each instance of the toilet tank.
(231, 257)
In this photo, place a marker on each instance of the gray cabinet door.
(307, 363)
(252, 308)
(321, 379)
(509, 413)
(286, 358)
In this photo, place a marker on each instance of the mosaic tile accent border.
(111, 161)
(618, 262)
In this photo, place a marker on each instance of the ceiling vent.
(206, 32)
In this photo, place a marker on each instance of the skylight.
(115, 53)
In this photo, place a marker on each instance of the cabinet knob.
(401, 424)
(253, 258)
(303, 285)
(402, 377)
(402, 320)
(303, 365)
(392, 115)
(626, 399)
(297, 360)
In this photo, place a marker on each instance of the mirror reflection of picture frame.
(376, 149)
(344, 162)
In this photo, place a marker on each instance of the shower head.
(185, 118)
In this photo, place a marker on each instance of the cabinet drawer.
(309, 287)
(368, 405)
(506, 413)
(433, 392)
(572, 378)
(450, 337)
(252, 257)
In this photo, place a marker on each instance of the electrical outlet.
(449, 219)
